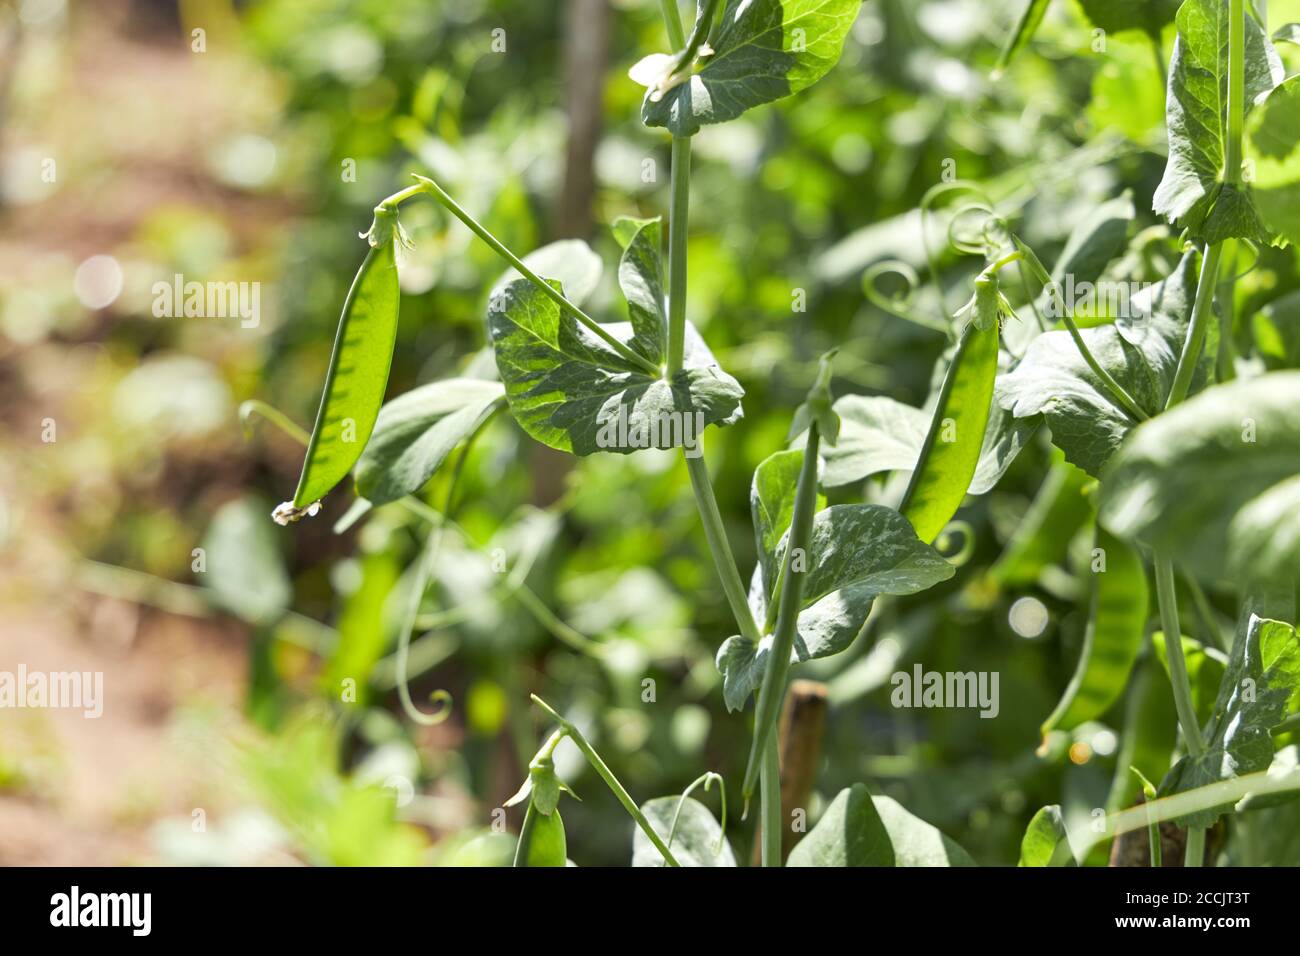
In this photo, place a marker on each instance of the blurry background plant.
(249, 142)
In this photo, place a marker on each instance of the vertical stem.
(1236, 91)
(673, 21)
(678, 222)
(1195, 340)
(769, 790)
(723, 559)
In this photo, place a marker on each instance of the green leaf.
(1276, 331)
(879, 434)
(849, 833)
(1261, 684)
(415, 432)
(1272, 147)
(950, 454)
(571, 262)
(1193, 193)
(1097, 239)
(856, 553)
(858, 829)
(1140, 352)
(1046, 841)
(640, 275)
(1113, 638)
(1031, 18)
(1205, 667)
(541, 841)
(364, 631)
(1290, 33)
(697, 840)
(1264, 537)
(244, 569)
(571, 391)
(357, 375)
(771, 503)
(1181, 479)
(763, 50)
(1115, 16)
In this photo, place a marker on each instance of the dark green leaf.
(1140, 352)
(1115, 16)
(415, 432)
(1272, 146)
(1259, 687)
(1181, 479)
(763, 50)
(849, 833)
(1192, 193)
(640, 275)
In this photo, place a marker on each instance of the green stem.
(723, 559)
(772, 692)
(1195, 340)
(673, 21)
(1195, 855)
(611, 781)
(1236, 91)
(1117, 391)
(276, 417)
(769, 789)
(677, 229)
(427, 185)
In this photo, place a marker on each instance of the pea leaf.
(1261, 684)
(1045, 842)
(771, 503)
(697, 840)
(244, 568)
(1141, 352)
(1112, 640)
(416, 431)
(640, 275)
(1276, 329)
(858, 829)
(763, 50)
(571, 262)
(855, 553)
(1205, 667)
(1115, 16)
(1272, 147)
(1193, 193)
(1264, 537)
(1097, 239)
(571, 391)
(1181, 479)
(879, 434)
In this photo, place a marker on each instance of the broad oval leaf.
(1181, 478)
(1140, 352)
(696, 841)
(763, 50)
(245, 570)
(1264, 537)
(415, 432)
(357, 376)
(855, 553)
(570, 262)
(1115, 16)
(571, 391)
(1112, 640)
(858, 829)
(1272, 146)
(1046, 841)
(1193, 193)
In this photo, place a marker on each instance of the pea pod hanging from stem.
(951, 451)
(358, 371)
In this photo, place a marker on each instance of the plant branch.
(677, 231)
(723, 559)
(611, 781)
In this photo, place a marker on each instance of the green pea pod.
(541, 841)
(1059, 511)
(1113, 638)
(358, 369)
(951, 451)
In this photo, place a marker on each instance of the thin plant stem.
(725, 562)
(1236, 91)
(428, 186)
(677, 232)
(599, 765)
(673, 22)
(769, 789)
(276, 417)
(1195, 341)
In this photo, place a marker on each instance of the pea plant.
(1178, 459)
